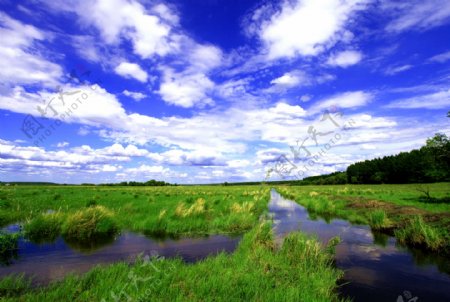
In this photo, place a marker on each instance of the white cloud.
(186, 89)
(131, 70)
(22, 61)
(416, 14)
(148, 169)
(343, 100)
(289, 79)
(137, 96)
(238, 163)
(345, 58)
(397, 69)
(305, 98)
(205, 57)
(62, 144)
(149, 31)
(440, 58)
(86, 46)
(436, 100)
(307, 27)
(296, 78)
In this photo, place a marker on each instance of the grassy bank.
(300, 270)
(401, 210)
(85, 211)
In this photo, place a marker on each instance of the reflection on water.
(52, 261)
(376, 267)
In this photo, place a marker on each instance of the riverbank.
(404, 211)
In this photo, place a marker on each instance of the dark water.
(52, 261)
(376, 267)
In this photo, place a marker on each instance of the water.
(52, 261)
(376, 267)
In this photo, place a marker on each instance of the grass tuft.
(13, 285)
(419, 233)
(9, 245)
(90, 223)
(378, 219)
(44, 228)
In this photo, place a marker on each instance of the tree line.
(430, 163)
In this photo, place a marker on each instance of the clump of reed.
(378, 219)
(418, 233)
(197, 208)
(44, 227)
(246, 207)
(90, 223)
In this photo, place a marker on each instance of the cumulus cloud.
(131, 70)
(22, 61)
(186, 89)
(351, 99)
(149, 31)
(290, 79)
(345, 58)
(62, 144)
(137, 96)
(306, 27)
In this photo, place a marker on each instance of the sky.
(208, 91)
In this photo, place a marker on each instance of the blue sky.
(207, 91)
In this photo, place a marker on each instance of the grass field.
(84, 212)
(402, 210)
(301, 269)
(257, 270)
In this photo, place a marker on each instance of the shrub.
(90, 223)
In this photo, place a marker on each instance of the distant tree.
(430, 163)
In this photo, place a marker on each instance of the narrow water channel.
(376, 268)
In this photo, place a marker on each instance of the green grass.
(378, 219)
(90, 224)
(193, 210)
(301, 270)
(389, 208)
(8, 246)
(418, 233)
(44, 227)
(12, 286)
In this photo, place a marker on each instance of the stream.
(376, 267)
